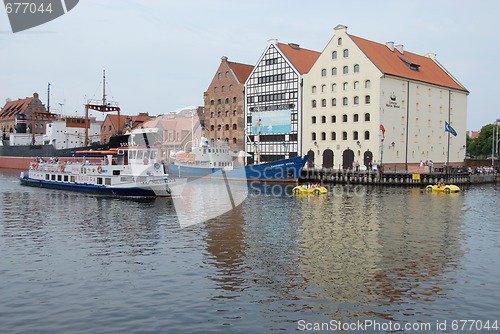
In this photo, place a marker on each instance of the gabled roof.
(13, 108)
(242, 71)
(425, 69)
(302, 59)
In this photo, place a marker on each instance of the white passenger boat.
(127, 171)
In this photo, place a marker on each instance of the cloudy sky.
(160, 55)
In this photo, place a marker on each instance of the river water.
(360, 256)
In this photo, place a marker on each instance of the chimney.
(390, 45)
(400, 48)
(224, 59)
(294, 46)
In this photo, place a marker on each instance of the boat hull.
(287, 170)
(156, 190)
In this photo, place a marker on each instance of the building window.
(323, 135)
(355, 118)
(344, 135)
(356, 85)
(367, 99)
(334, 71)
(334, 135)
(345, 70)
(219, 75)
(212, 114)
(334, 102)
(211, 128)
(313, 136)
(227, 127)
(345, 86)
(212, 102)
(234, 140)
(313, 89)
(334, 87)
(323, 72)
(334, 55)
(235, 112)
(227, 100)
(367, 84)
(346, 53)
(344, 101)
(223, 89)
(216, 89)
(313, 119)
(219, 101)
(367, 117)
(355, 135)
(344, 118)
(323, 103)
(323, 119)
(218, 114)
(367, 135)
(323, 88)
(356, 100)
(227, 74)
(230, 88)
(235, 127)
(356, 68)
(339, 41)
(314, 103)
(235, 99)
(334, 119)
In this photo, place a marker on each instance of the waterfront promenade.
(391, 178)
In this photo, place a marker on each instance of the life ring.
(146, 161)
(61, 168)
(99, 169)
(35, 166)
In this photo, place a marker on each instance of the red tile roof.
(395, 63)
(13, 108)
(302, 59)
(242, 71)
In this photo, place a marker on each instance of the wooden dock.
(392, 178)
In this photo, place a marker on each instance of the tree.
(480, 147)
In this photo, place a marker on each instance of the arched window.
(334, 102)
(344, 101)
(313, 89)
(313, 136)
(334, 135)
(344, 135)
(212, 128)
(346, 53)
(367, 135)
(216, 89)
(356, 100)
(356, 85)
(367, 99)
(339, 41)
(227, 127)
(314, 103)
(223, 89)
(345, 86)
(230, 88)
(323, 119)
(323, 135)
(334, 119)
(235, 127)
(334, 87)
(345, 70)
(323, 103)
(323, 72)
(355, 118)
(367, 84)
(323, 88)
(344, 118)
(334, 71)
(227, 113)
(356, 68)
(334, 55)
(355, 135)
(367, 117)
(313, 120)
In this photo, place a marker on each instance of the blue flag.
(448, 128)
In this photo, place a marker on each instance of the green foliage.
(480, 147)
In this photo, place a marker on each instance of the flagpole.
(449, 122)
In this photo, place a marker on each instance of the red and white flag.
(383, 130)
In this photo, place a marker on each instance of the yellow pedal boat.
(302, 189)
(444, 188)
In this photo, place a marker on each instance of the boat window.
(139, 155)
(59, 178)
(132, 154)
(53, 177)
(116, 172)
(65, 178)
(153, 155)
(47, 177)
(107, 181)
(99, 180)
(73, 179)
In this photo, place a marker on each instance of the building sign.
(270, 108)
(393, 103)
(272, 122)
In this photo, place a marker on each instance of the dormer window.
(412, 66)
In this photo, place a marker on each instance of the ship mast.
(102, 106)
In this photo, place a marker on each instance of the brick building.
(27, 106)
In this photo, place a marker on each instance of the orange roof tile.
(12, 108)
(242, 71)
(302, 59)
(393, 63)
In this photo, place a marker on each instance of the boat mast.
(258, 140)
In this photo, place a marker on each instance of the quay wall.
(392, 179)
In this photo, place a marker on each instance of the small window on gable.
(345, 70)
(339, 41)
(334, 71)
(334, 55)
(346, 53)
(314, 89)
(334, 102)
(356, 68)
(323, 72)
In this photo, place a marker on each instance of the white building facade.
(273, 108)
(69, 132)
(368, 103)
